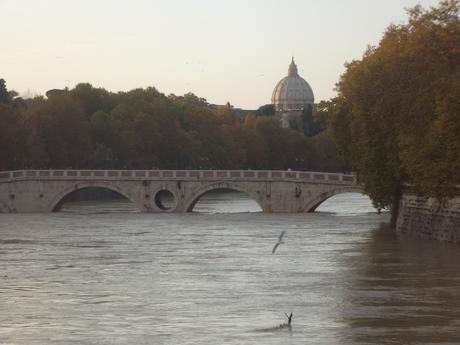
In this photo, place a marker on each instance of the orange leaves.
(399, 107)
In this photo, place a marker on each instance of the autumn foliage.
(92, 128)
(397, 114)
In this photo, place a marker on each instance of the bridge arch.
(197, 194)
(59, 199)
(314, 203)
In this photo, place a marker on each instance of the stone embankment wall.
(426, 217)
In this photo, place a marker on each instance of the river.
(88, 275)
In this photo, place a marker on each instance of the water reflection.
(99, 207)
(219, 201)
(403, 291)
(216, 201)
(350, 204)
(226, 201)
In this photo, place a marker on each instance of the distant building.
(241, 113)
(220, 106)
(294, 102)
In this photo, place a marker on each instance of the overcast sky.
(223, 50)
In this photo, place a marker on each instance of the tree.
(189, 99)
(91, 128)
(397, 114)
(323, 113)
(310, 127)
(5, 96)
(54, 92)
(266, 110)
(92, 99)
(62, 125)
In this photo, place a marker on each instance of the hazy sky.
(223, 50)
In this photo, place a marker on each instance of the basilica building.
(294, 102)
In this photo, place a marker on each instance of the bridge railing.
(178, 175)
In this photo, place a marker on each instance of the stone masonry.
(274, 191)
(426, 217)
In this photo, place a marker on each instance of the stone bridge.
(274, 191)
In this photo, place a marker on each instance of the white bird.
(279, 242)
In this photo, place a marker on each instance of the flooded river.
(88, 275)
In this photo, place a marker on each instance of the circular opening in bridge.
(347, 204)
(165, 200)
(95, 200)
(225, 200)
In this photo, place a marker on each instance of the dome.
(292, 92)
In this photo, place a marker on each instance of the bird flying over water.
(280, 241)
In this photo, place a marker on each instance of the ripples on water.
(88, 276)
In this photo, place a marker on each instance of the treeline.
(397, 114)
(92, 128)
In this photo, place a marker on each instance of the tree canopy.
(397, 114)
(92, 128)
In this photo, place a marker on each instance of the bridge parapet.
(258, 175)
